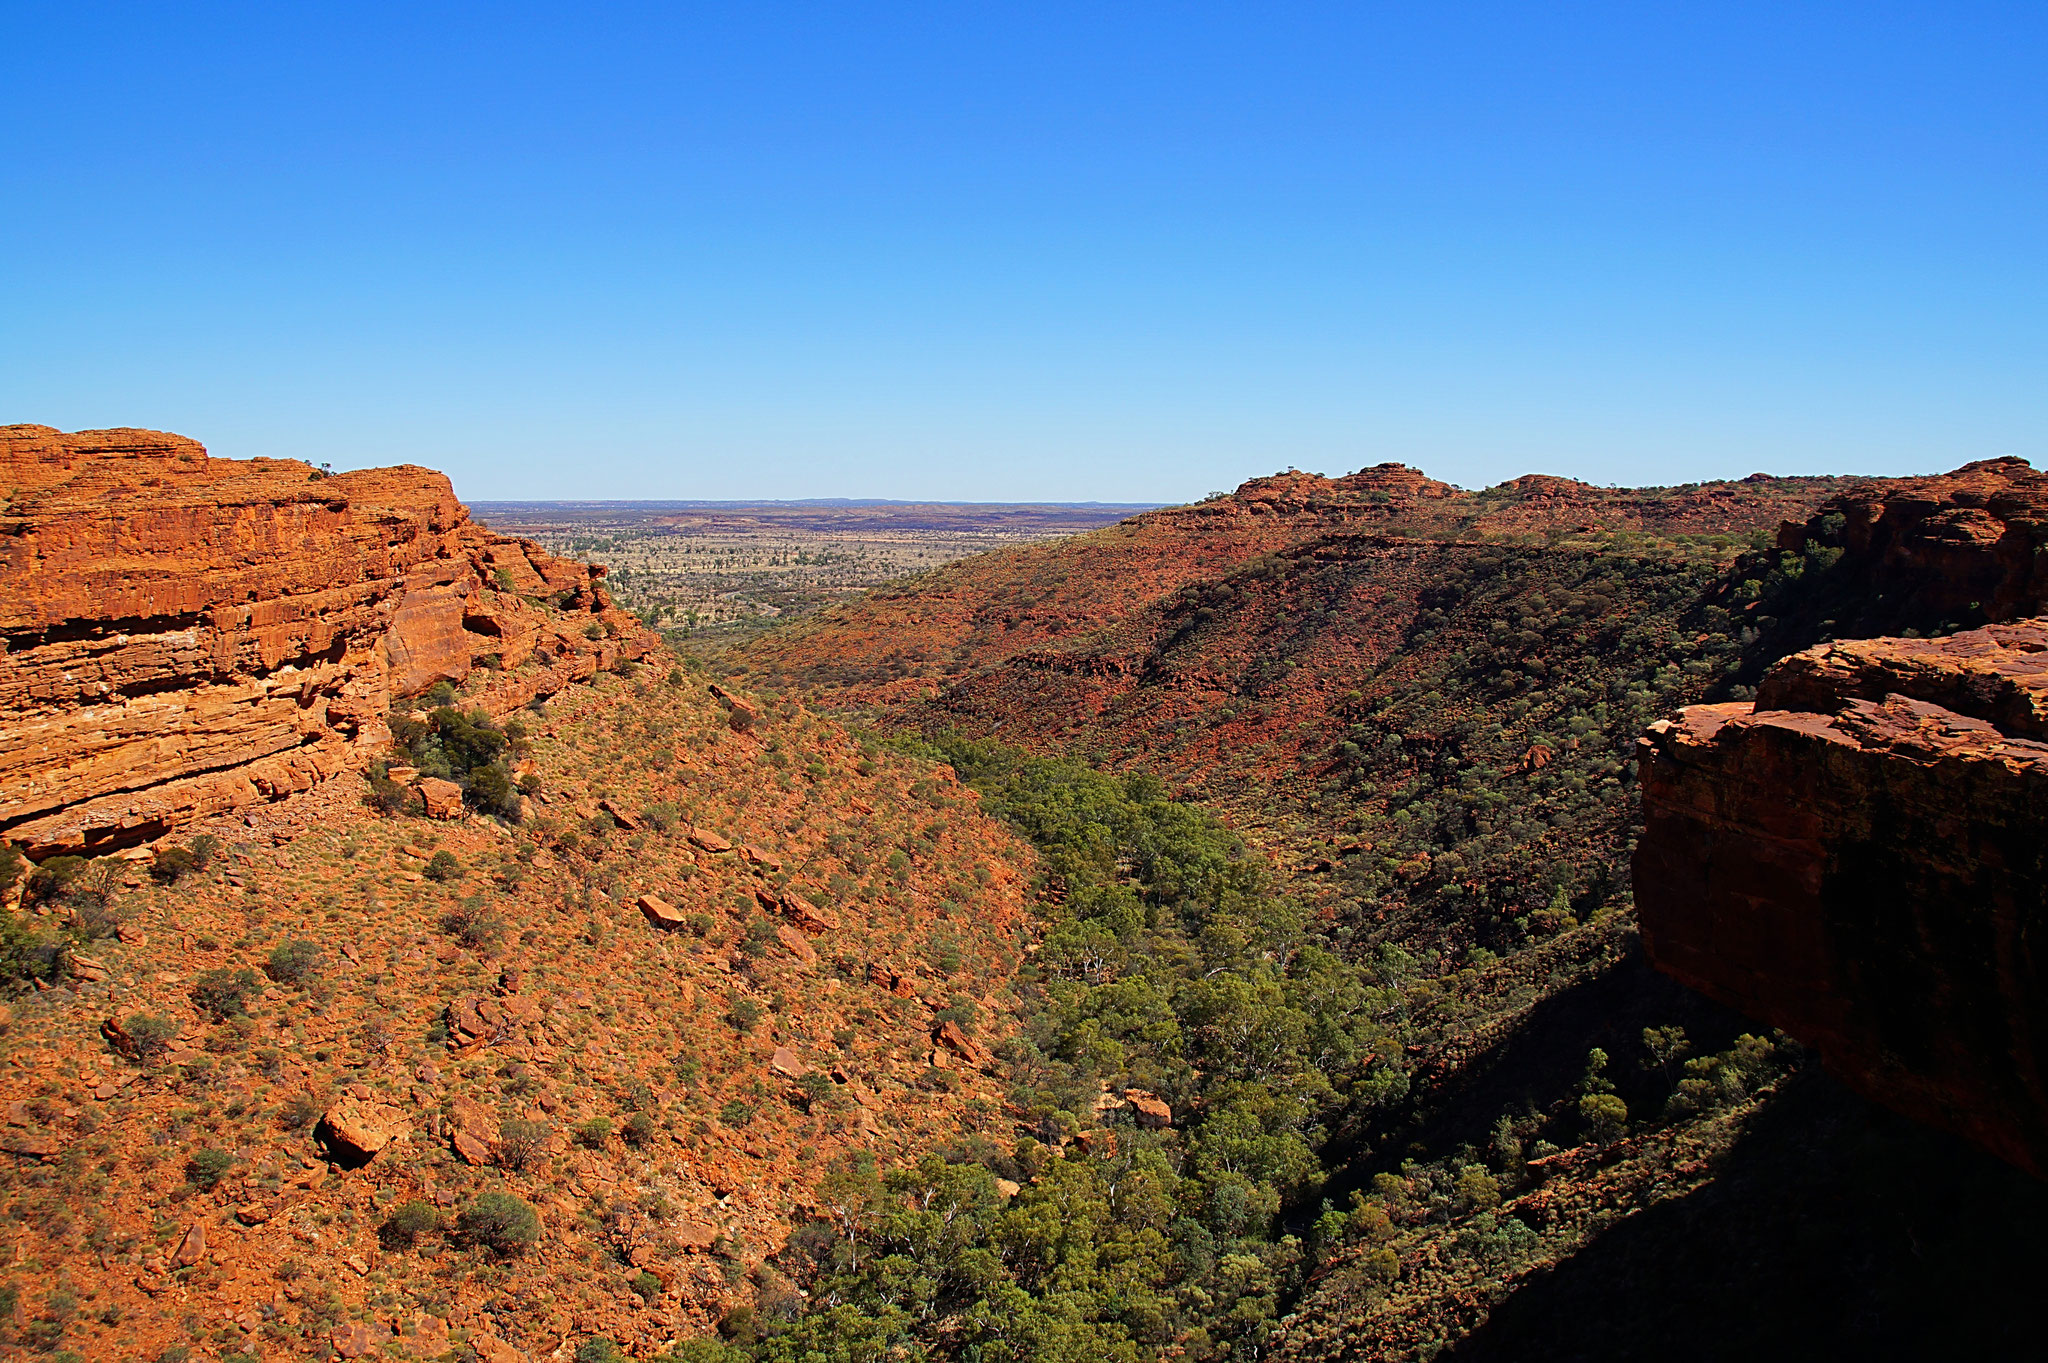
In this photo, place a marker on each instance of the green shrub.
(603, 1350)
(743, 1013)
(29, 951)
(470, 925)
(442, 867)
(168, 865)
(593, 1134)
(291, 962)
(500, 1222)
(52, 878)
(736, 1113)
(224, 992)
(208, 1167)
(640, 1129)
(149, 1035)
(407, 1223)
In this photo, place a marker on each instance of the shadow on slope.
(1833, 1229)
(1531, 1062)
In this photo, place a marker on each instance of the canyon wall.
(181, 635)
(1860, 856)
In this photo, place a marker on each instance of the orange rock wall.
(181, 635)
(1861, 858)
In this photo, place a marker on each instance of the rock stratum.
(1858, 856)
(182, 635)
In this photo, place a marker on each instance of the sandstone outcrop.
(1861, 858)
(1963, 547)
(182, 635)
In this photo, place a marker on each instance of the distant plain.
(714, 574)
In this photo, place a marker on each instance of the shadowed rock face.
(181, 635)
(1859, 858)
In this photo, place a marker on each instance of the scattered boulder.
(694, 1235)
(660, 913)
(949, 1035)
(362, 1128)
(1152, 1112)
(627, 820)
(191, 1248)
(801, 912)
(1099, 1143)
(796, 944)
(491, 1349)
(41, 1144)
(443, 798)
(788, 1064)
(709, 841)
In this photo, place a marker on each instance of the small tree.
(519, 1142)
(403, 1228)
(815, 1087)
(1604, 1115)
(1477, 1188)
(291, 962)
(224, 992)
(500, 1222)
(149, 1036)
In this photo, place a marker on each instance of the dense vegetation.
(452, 744)
(1172, 967)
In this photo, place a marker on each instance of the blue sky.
(1125, 252)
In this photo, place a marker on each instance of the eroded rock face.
(1959, 547)
(1861, 858)
(182, 635)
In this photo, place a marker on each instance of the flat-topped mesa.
(1861, 858)
(181, 635)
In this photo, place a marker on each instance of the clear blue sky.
(1125, 252)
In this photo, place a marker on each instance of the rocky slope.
(182, 635)
(665, 1089)
(1094, 607)
(1419, 694)
(363, 1082)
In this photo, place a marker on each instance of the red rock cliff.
(181, 635)
(1861, 858)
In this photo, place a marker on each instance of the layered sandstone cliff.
(1861, 858)
(181, 635)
